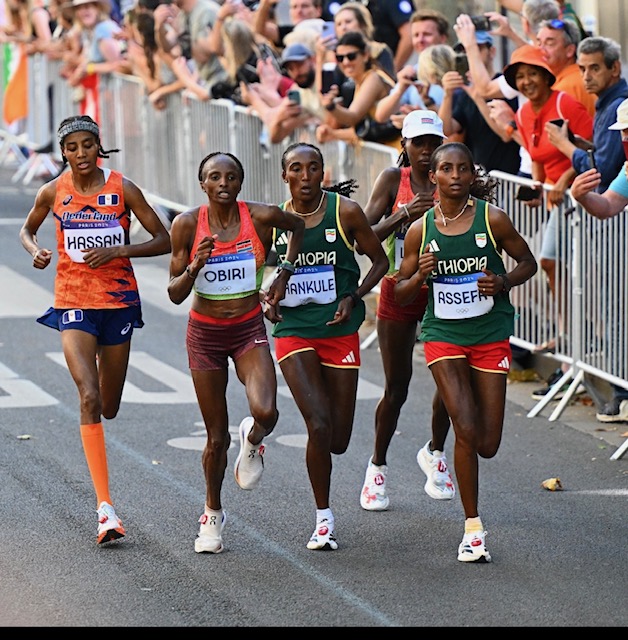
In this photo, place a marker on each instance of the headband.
(77, 125)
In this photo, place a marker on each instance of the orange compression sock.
(93, 438)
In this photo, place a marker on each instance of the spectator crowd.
(352, 72)
(387, 72)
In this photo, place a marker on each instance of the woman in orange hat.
(530, 74)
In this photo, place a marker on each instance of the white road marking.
(21, 393)
(22, 297)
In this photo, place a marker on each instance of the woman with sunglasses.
(355, 16)
(371, 85)
(401, 195)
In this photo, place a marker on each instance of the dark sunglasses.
(349, 56)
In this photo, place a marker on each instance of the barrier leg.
(368, 341)
(620, 452)
(568, 395)
(549, 396)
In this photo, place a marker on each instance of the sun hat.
(481, 37)
(622, 117)
(527, 54)
(104, 4)
(296, 52)
(422, 123)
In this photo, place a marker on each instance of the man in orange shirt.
(558, 39)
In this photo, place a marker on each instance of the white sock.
(324, 514)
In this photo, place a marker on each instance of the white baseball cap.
(422, 123)
(622, 117)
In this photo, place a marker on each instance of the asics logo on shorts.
(126, 329)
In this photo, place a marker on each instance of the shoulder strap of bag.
(560, 95)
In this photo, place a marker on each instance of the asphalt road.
(559, 558)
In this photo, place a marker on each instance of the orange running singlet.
(84, 222)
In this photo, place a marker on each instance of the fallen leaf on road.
(552, 484)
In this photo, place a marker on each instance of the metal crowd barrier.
(161, 152)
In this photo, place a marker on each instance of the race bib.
(92, 234)
(458, 297)
(311, 284)
(227, 275)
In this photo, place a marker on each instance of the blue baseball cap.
(481, 37)
(295, 53)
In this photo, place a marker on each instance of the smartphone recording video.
(329, 31)
(559, 122)
(462, 66)
(294, 96)
(525, 193)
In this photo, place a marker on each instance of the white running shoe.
(473, 548)
(373, 496)
(439, 484)
(249, 464)
(109, 525)
(209, 538)
(323, 538)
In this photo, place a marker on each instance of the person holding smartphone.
(599, 61)
(586, 189)
(530, 74)
(465, 113)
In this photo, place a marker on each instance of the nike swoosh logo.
(261, 341)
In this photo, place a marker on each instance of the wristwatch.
(506, 287)
(511, 127)
(286, 266)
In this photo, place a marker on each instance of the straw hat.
(105, 5)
